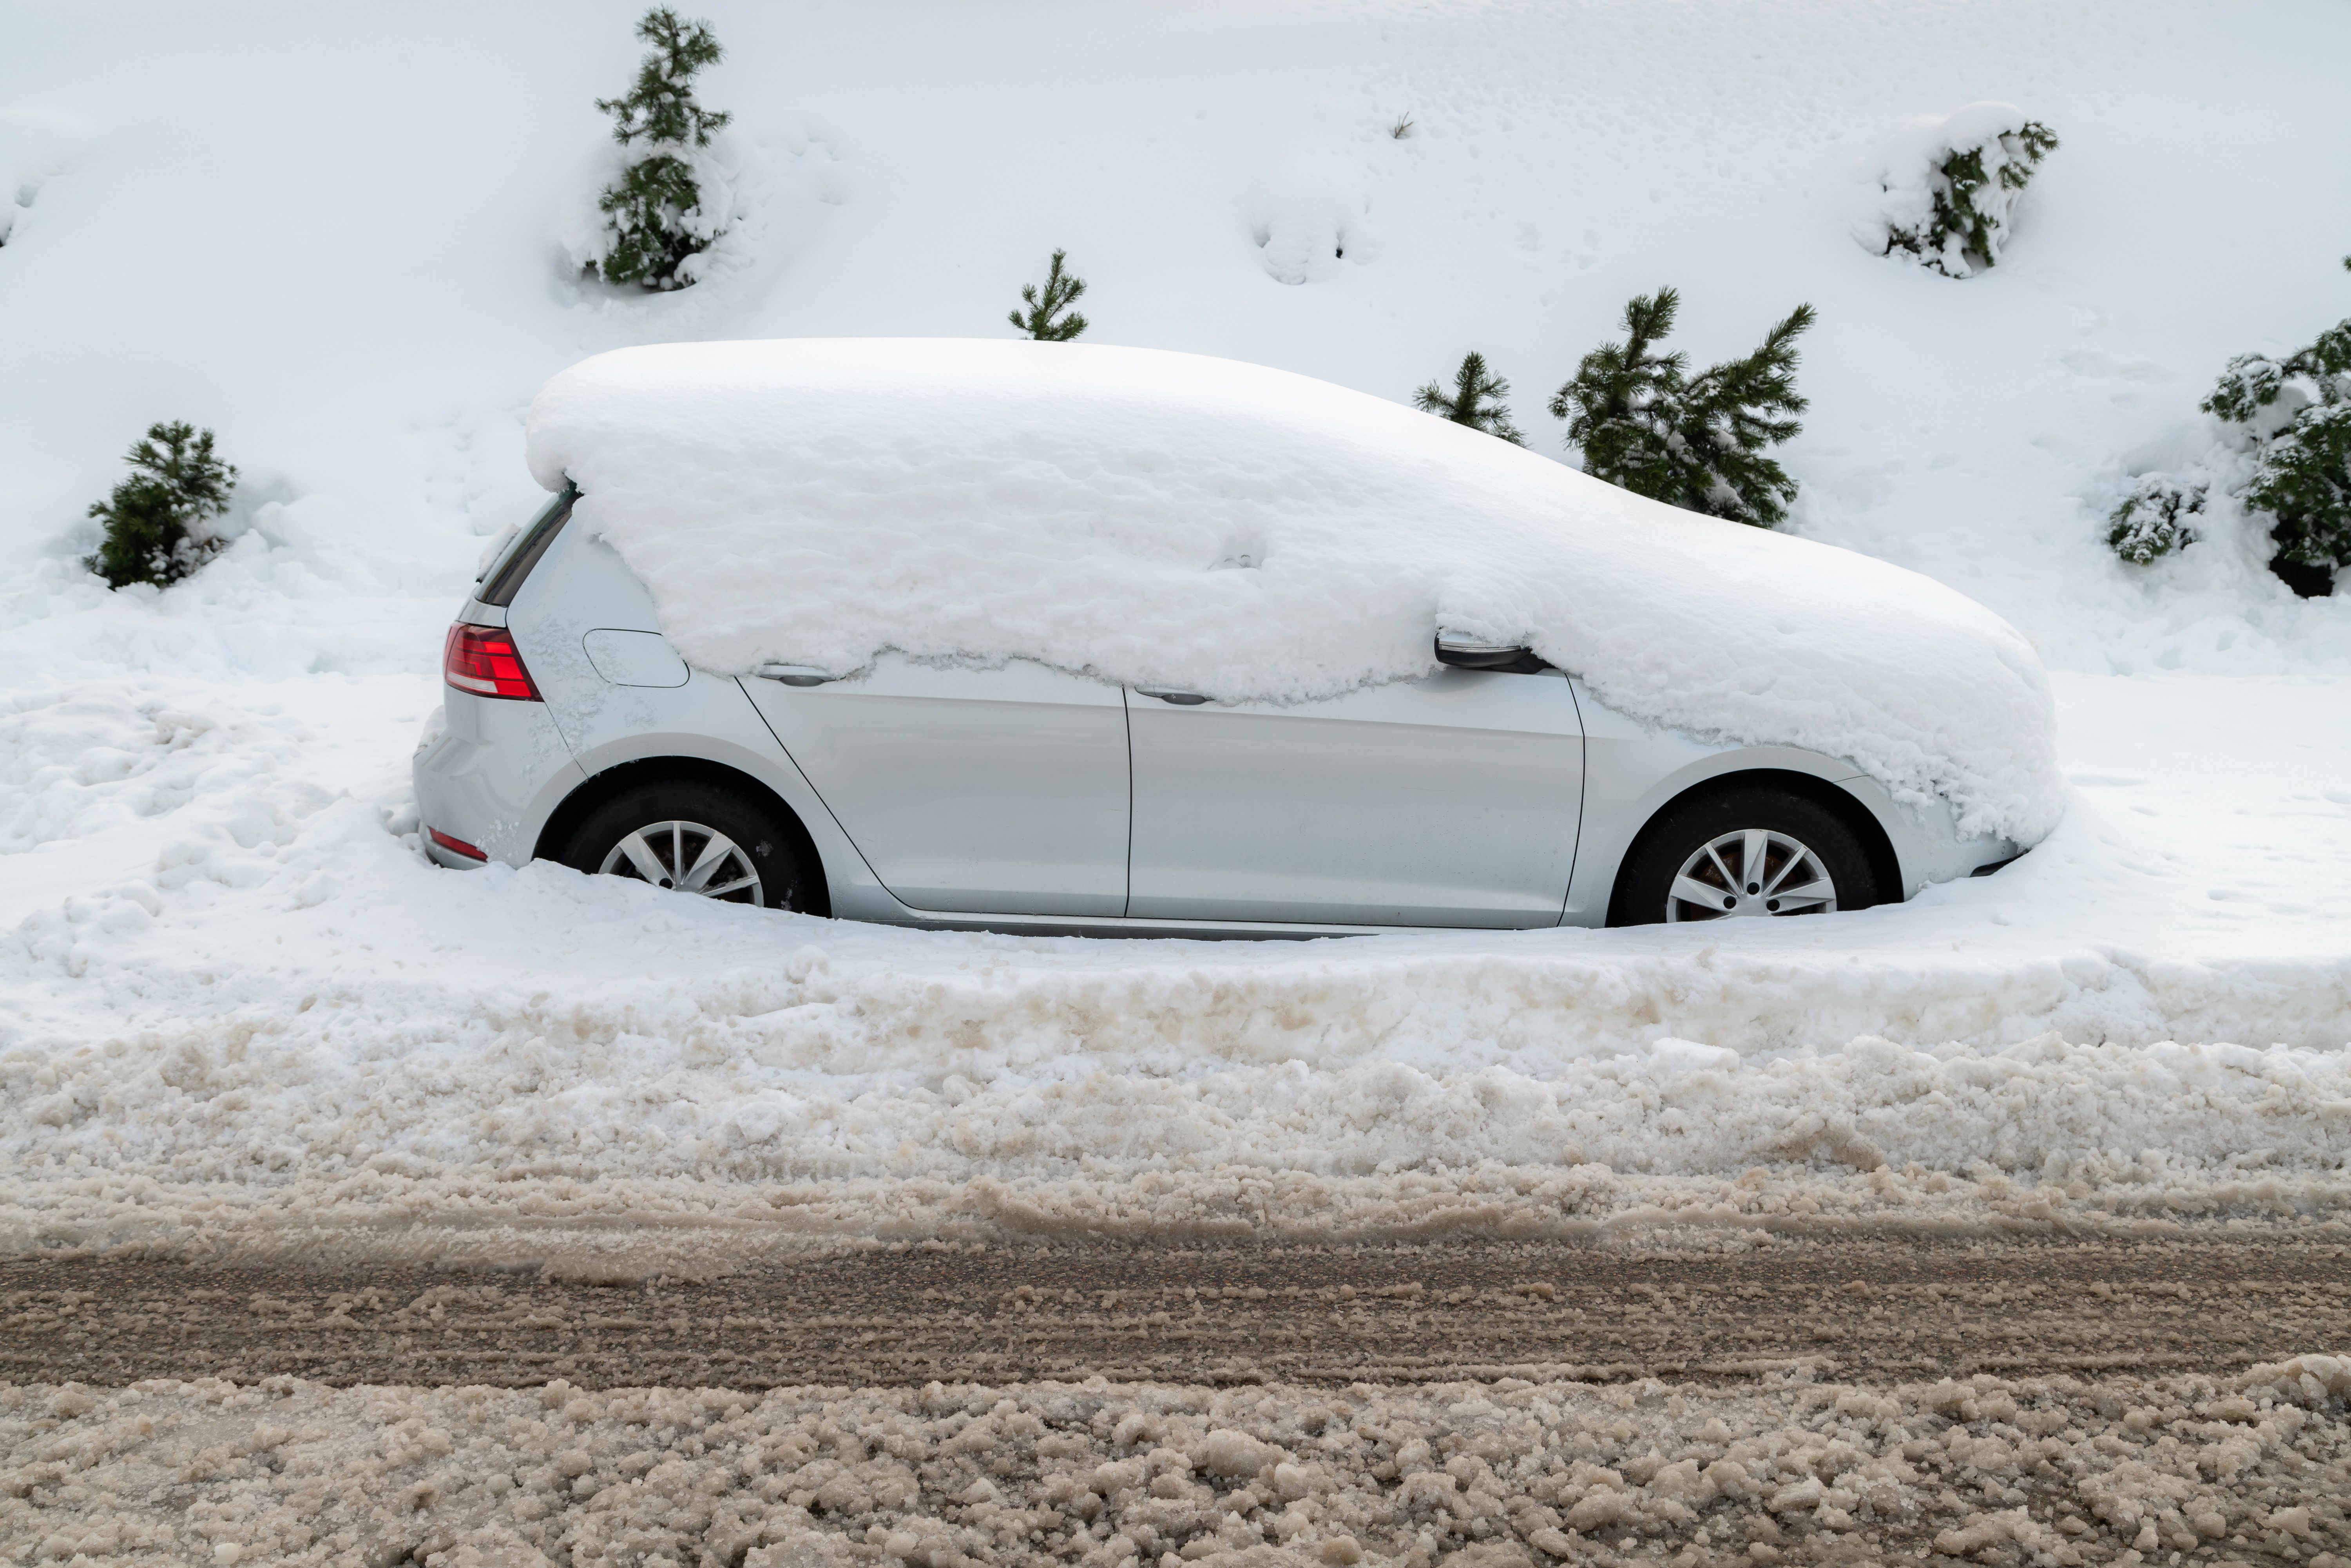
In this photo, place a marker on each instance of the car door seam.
(1126, 719)
(1582, 795)
(838, 826)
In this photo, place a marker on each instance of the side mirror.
(1462, 652)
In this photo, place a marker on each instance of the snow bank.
(2057, 1471)
(491, 1143)
(1173, 520)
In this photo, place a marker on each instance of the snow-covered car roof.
(1168, 520)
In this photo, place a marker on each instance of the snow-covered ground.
(232, 989)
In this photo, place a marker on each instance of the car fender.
(1633, 770)
(856, 893)
(581, 588)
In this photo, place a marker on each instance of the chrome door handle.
(1181, 699)
(795, 674)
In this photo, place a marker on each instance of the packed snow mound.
(1168, 520)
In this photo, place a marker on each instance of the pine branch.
(661, 108)
(1061, 289)
(1698, 444)
(1744, 394)
(1618, 403)
(1475, 401)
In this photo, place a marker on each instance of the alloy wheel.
(689, 857)
(1752, 872)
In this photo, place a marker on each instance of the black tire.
(1647, 879)
(767, 846)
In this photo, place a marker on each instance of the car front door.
(987, 791)
(1450, 800)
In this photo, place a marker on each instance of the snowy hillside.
(337, 240)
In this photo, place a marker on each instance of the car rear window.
(506, 575)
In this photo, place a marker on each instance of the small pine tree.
(1061, 290)
(154, 518)
(1699, 444)
(652, 213)
(1476, 399)
(1738, 410)
(1620, 405)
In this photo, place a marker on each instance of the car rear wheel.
(1744, 851)
(692, 836)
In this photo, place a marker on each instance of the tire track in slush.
(1217, 1315)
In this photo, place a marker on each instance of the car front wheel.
(1743, 852)
(692, 836)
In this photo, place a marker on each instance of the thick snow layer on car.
(1169, 519)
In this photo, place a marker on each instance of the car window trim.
(505, 579)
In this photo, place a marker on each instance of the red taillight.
(458, 845)
(482, 660)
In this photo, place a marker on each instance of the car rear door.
(1450, 800)
(975, 792)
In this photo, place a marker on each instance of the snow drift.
(1170, 520)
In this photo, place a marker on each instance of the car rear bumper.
(488, 774)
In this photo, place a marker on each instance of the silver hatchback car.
(1494, 793)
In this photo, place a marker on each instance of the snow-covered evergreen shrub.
(2153, 520)
(157, 520)
(1061, 291)
(2296, 414)
(2303, 481)
(1476, 399)
(1946, 193)
(658, 216)
(2286, 448)
(1698, 443)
